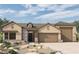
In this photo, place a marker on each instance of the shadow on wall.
(65, 39)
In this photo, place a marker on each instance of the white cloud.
(58, 8)
(26, 12)
(7, 12)
(30, 10)
(58, 15)
(10, 11)
(44, 5)
(33, 10)
(27, 6)
(3, 11)
(21, 13)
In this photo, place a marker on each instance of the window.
(12, 35)
(29, 25)
(6, 35)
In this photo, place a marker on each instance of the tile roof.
(64, 24)
(38, 25)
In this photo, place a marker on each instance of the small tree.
(1, 37)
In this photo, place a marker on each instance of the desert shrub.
(54, 52)
(28, 47)
(17, 48)
(7, 44)
(41, 53)
(34, 45)
(12, 51)
(1, 40)
(16, 43)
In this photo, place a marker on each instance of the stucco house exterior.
(42, 33)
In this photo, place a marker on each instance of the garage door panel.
(47, 37)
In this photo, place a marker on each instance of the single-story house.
(43, 33)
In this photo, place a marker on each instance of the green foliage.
(34, 45)
(7, 44)
(1, 41)
(77, 36)
(77, 25)
(1, 37)
(53, 52)
(13, 51)
(3, 21)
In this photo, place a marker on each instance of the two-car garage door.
(48, 37)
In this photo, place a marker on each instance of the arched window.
(29, 25)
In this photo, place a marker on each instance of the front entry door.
(30, 37)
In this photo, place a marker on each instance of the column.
(74, 34)
(8, 36)
(59, 37)
(25, 35)
(36, 37)
(3, 36)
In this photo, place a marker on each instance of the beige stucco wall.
(51, 29)
(48, 29)
(74, 33)
(16, 28)
(25, 34)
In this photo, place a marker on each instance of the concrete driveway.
(65, 48)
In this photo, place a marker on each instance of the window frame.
(6, 36)
(12, 35)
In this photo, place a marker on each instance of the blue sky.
(40, 13)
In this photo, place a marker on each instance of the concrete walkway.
(65, 48)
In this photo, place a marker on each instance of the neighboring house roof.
(64, 24)
(23, 24)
